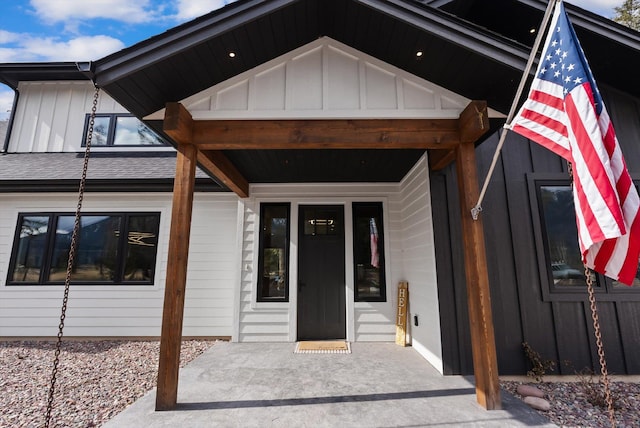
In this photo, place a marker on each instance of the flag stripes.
(564, 112)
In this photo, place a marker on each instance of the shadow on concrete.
(243, 404)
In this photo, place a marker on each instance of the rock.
(529, 391)
(537, 403)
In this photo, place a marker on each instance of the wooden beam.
(472, 124)
(473, 121)
(326, 134)
(178, 123)
(175, 284)
(485, 365)
(222, 168)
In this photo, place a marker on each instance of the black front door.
(321, 280)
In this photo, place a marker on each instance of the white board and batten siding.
(50, 117)
(324, 79)
(127, 310)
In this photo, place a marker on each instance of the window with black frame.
(273, 261)
(368, 252)
(121, 130)
(560, 236)
(113, 248)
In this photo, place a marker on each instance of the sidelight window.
(368, 252)
(273, 262)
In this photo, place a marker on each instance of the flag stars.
(571, 67)
(577, 80)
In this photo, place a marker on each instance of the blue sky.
(84, 30)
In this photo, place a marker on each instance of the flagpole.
(475, 211)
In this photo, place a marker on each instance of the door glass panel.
(321, 221)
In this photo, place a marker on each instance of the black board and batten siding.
(558, 326)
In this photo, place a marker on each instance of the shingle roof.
(114, 168)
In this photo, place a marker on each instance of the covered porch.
(202, 141)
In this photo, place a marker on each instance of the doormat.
(323, 347)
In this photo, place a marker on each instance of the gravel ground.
(98, 379)
(571, 402)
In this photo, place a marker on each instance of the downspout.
(87, 68)
(7, 137)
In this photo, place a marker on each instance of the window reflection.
(129, 131)
(121, 130)
(31, 245)
(96, 252)
(111, 248)
(562, 236)
(561, 239)
(368, 252)
(273, 281)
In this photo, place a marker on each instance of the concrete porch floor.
(267, 385)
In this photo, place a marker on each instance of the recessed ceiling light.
(532, 31)
(232, 54)
(419, 54)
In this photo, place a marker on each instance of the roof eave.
(11, 74)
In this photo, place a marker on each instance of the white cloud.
(25, 47)
(6, 102)
(128, 11)
(601, 7)
(189, 9)
(8, 37)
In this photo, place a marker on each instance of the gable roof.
(468, 46)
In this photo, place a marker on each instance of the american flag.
(565, 113)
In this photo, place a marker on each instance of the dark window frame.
(382, 256)
(50, 243)
(111, 132)
(604, 288)
(259, 281)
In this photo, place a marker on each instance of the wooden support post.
(173, 312)
(485, 365)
